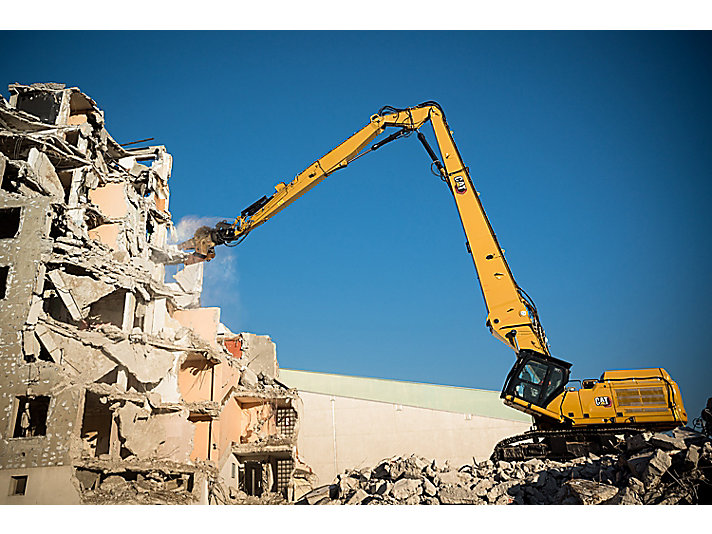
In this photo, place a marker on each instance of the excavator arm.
(512, 317)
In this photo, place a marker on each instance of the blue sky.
(592, 152)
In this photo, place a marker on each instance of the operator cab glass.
(536, 379)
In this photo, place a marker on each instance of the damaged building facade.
(115, 384)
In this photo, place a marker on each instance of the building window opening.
(44, 354)
(18, 485)
(43, 105)
(252, 483)
(96, 426)
(9, 222)
(31, 418)
(4, 272)
(284, 473)
(11, 178)
(233, 473)
(286, 421)
(109, 309)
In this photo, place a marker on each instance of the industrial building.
(353, 422)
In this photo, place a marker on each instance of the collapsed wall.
(115, 385)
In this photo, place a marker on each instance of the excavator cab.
(536, 379)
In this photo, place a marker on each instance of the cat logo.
(603, 401)
(460, 185)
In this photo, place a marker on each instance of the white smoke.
(220, 276)
(186, 227)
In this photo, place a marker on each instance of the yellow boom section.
(511, 317)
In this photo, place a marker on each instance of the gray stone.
(357, 497)
(453, 478)
(347, 485)
(482, 487)
(429, 488)
(625, 496)
(500, 489)
(504, 500)
(534, 496)
(707, 450)
(637, 442)
(589, 470)
(534, 464)
(638, 462)
(658, 465)
(666, 442)
(405, 487)
(692, 457)
(590, 492)
(248, 378)
(457, 495)
(316, 495)
(418, 462)
(382, 470)
(550, 486)
(541, 479)
(113, 481)
(413, 499)
(380, 487)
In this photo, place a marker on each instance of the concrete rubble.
(116, 386)
(662, 468)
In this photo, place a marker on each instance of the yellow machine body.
(645, 398)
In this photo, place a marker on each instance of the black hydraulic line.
(255, 206)
(432, 154)
(388, 139)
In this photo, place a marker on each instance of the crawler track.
(562, 444)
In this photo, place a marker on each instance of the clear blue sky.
(592, 153)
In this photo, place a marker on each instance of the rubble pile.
(660, 468)
(115, 384)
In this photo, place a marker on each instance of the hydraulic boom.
(569, 421)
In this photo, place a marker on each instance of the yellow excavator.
(569, 421)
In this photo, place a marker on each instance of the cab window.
(533, 372)
(556, 377)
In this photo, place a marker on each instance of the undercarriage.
(563, 444)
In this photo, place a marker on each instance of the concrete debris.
(259, 354)
(115, 384)
(648, 472)
(590, 492)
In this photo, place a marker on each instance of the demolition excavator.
(569, 421)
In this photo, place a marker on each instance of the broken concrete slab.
(663, 441)
(149, 365)
(458, 495)
(190, 278)
(30, 344)
(357, 498)
(64, 293)
(453, 478)
(47, 341)
(259, 353)
(659, 463)
(84, 364)
(45, 173)
(156, 436)
(84, 289)
(590, 492)
(406, 487)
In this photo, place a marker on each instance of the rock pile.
(661, 468)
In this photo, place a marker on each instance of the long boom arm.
(512, 317)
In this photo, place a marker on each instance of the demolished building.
(115, 384)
